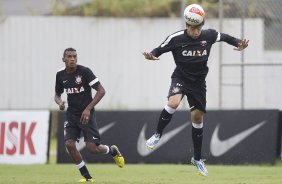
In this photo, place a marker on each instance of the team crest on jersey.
(78, 79)
(203, 43)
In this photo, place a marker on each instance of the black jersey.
(77, 86)
(191, 55)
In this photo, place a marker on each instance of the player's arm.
(166, 46)
(242, 45)
(58, 91)
(59, 101)
(150, 56)
(237, 43)
(100, 92)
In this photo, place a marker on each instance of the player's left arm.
(100, 92)
(242, 45)
(94, 83)
(237, 43)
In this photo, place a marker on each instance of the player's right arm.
(166, 46)
(150, 56)
(58, 91)
(59, 101)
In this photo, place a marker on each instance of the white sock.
(80, 165)
(169, 109)
(108, 149)
(198, 125)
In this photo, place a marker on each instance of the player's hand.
(150, 56)
(62, 105)
(85, 116)
(242, 45)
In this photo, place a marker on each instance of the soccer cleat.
(200, 166)
(118, 157)
(153, 141)
(84, 180)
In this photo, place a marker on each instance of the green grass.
(141, 174)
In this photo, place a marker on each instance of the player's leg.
(197, 103)
(112, 150)
(71, 135)
(174, 98)
(197, 132)
(92, 139)
(168, 111)
(77, 159)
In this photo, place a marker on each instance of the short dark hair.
(68, 49)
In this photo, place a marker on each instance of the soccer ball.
(194, 14)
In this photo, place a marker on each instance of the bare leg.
(94, 149)
(73, 152)
(77, 158)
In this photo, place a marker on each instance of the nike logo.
(65, 81)
(192, 107)
(165, 119)
(81, 144)
(143, 150)
(220, 147)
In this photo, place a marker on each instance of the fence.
(271, 62)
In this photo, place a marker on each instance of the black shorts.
(73, 128)
(194, 90)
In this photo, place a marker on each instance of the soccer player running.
(77, 81)
(190, 49)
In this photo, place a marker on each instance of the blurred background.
(110, 36)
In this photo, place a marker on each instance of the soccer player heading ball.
(190, 49)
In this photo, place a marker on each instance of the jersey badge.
(78, 79)
(203, 43)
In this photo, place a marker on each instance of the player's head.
(70, 57)
(67, 50)
(194, 31)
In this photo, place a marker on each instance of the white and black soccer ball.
(194, 14)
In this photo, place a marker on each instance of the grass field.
(141, 174)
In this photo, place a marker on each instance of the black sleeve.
(229, 39)
(92, 80)
(59, 89)
(166, 46)
(212, 35)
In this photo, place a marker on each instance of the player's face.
(194, 31)
(70, 59)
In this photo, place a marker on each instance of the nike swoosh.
(143, 150)
(220, 147)
(81, 144)
(165, 119)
